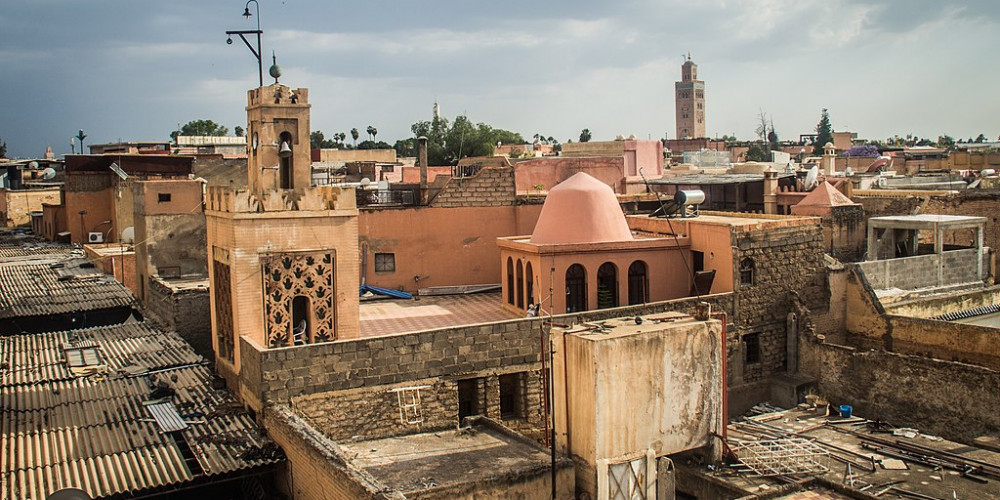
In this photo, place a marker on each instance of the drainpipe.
(422, 159)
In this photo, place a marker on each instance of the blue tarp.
(384, 291)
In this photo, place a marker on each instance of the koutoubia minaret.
(283, 254)
(689, 96)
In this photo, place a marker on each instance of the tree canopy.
(446, 144)
(824, 133)
(3, 149)
(200, 127)
(756, 152)
(585, 135)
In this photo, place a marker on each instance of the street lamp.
(258, 32)
(80, 135)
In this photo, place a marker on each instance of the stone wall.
(279, 375)
(15, 205)
(975, 202)
(954, 400)
(490, 187)
(186, 311)
(923, 271)
(786, 262)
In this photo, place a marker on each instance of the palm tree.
(355, 135)
(372, 131)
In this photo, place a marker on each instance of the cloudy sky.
(134, 70)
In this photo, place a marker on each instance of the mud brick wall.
(490, 187)
(954, 400)
(980, 203)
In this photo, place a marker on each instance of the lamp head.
(246, 12)
(229, 40)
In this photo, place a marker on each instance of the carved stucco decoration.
(289, 275)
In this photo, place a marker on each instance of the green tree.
(446, 144)
(369, 144)
(200, 127)
(354, 135)
(238, 130)
(372, 132)
(585, 135)
(317, 140)
(3, 149)
(824, 133)
(405, 147)
(946, 141)
(756, 152)
(980, 139)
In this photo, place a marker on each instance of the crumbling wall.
(954, 400)
(890, 205)
(909, 273)
(187, 311)
(974, 202)
(946, 340)
(219, 171)
(490, 187)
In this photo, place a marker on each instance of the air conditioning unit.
(96, 237)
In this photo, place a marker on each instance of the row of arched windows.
(520, 283)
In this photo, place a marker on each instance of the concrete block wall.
(908, 273)
(490, 187)
(188, 312)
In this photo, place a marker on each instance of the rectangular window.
(512, 395)
(162, 197)
(385, 262)
(470, 397)
(699, 260)
(751, 342)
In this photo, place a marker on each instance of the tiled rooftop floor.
(384, 317)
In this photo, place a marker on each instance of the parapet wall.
(924, 271)
(278, 375)
(490, 187)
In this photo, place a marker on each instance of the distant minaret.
(437, 111)
(690, 102)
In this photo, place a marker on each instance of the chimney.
(422, 159)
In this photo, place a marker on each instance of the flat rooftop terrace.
(417, 462)
(389, 316)
(907, 464)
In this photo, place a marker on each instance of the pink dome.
(580, 209)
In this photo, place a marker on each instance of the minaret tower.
(283, 254)
(689, 95)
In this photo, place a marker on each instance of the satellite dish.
(128, 235)
(848, 172)
(812, 178)
(365, 182)
(49, 173)
(32, 165)
(69, 494)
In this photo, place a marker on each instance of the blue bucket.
(845, 411)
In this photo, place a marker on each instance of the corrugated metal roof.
(39, 289)
(95, 433)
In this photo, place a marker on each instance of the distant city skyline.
(135, 71)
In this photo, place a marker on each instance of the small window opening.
(512, 395)
(751, 342)
(162, 197)
(470, 397)
(385, 262)
(300, 320)
(746, 272)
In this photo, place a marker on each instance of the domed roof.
(580, 209)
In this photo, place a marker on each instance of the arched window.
(607, 286)
(300, 320)
(510, 280)
(530, 276)
(638, 283)
(746, 272)
(286, 169)
(520, 284)
(576, 288)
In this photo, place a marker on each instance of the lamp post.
(258, 32)
(80, 135)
